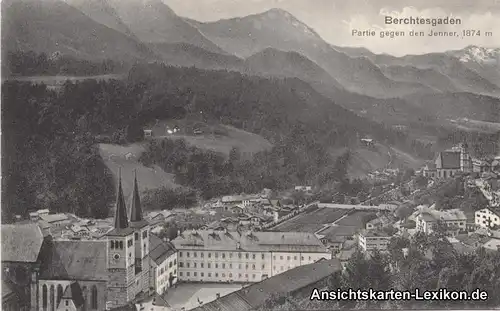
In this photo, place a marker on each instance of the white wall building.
(163, 264)
(487, 217)
(454, 220)
(370, 240)
(215, 256)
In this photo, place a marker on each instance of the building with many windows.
(370, 240)
(453, 220)
(227, 256)
(163, 257)
(487, 217)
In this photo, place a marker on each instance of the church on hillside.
(448, 163)
(93, 274)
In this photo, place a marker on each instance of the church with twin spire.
(97, 274)
(128, 251)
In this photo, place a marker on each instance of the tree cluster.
(425, 262)
(30, 63)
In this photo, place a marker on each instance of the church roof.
(121, 221)
(74, 292)
(449, 160)
(135, 208)
(74, 260)
(21, 243)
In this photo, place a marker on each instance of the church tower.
(120, 255)
(141, 241)
(465, 159)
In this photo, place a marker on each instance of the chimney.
(178, 232)
(238, 245)
(217, 295)
(225, 230)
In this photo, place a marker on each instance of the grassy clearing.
(126, 158)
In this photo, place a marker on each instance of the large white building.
(487, 217)
(453, 220)
(222, 256)
(370, 240)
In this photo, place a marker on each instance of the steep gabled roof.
(288, 282)
(74, 260)
(121, 221)
(160, 250)
(74, 292)
(21, 243)
(135, 206)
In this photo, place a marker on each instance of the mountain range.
(272, 43)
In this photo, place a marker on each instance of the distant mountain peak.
(282, 15)
(473, 53)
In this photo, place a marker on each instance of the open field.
(126, 158)
(476, 125)
(356, 219)
(364, 160)
(186, 295)
(214, 137)
(312, 221)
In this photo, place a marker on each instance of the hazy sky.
(334, 20)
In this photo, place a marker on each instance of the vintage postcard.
(253, 155)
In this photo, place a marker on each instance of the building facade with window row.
(222, 256)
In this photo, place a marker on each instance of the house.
(376, 223)
(244, 200)
(56, 220)
(299, 281)
(430, 170)
(493, 244)
(303, 188)
(453, 220)
(334, 236)
(43, 212)
(148, 133)
(163, 257)
(368, 142)
(373, 239)
(487, 217)
(483, 165)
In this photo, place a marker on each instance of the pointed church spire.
(136, 209)
(121, 221)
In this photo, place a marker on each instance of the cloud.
(406, 44)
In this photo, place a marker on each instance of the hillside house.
(368, 142)
(303, 188)
(243, 200)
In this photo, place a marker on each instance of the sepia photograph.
(250, 155)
